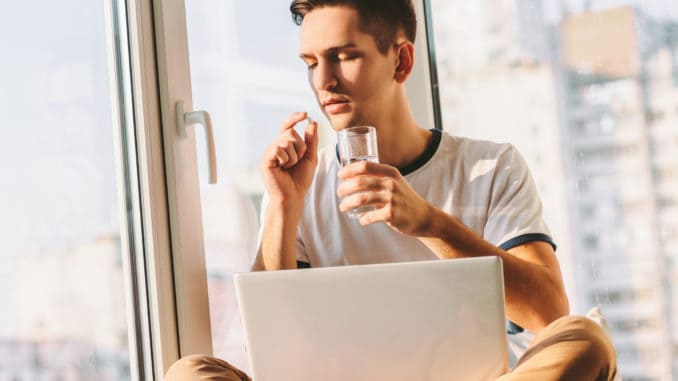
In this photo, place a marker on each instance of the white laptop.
(432, 320)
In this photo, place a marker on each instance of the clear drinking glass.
(358, 144)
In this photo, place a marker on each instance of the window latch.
(202, 118)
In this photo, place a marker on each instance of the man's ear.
(405, 61)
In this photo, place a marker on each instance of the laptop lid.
(431, 320)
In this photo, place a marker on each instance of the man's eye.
(347, 57)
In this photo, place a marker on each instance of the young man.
(435, 196)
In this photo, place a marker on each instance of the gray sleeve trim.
(525, 238)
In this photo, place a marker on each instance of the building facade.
(590, 100)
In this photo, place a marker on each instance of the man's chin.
(342, 121)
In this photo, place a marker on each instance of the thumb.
(311, 140)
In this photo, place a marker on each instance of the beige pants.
(570, 348)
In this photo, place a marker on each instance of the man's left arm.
(534, 290)
(535, 295)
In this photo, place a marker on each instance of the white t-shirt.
(487, 186)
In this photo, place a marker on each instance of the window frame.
(172, 269)
(129, 204)
(187, 260)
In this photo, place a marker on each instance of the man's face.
(351, 79)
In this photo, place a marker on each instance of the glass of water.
(358, 144)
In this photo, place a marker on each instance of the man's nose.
(324, 77)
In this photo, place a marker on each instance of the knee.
(186, 368)
(197, 367)
(593, 333)
(595, 346)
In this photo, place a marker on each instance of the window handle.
(203, 118)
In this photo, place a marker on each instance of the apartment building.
(590, 102)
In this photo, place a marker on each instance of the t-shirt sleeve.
(515, 211)
(301, 248)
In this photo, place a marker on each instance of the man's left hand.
(382, 186)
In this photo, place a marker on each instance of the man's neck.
(401, 141)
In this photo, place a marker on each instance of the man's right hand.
(287, 168)
(288, 165)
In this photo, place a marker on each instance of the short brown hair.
(380, 18)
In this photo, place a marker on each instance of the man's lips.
(336, 106)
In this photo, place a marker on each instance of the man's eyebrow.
(331, 50)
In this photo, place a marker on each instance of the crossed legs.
(570, 348)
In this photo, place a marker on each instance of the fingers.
(290, 148)
(365, 190)
(286, 151)
(292, 120)
(376, 199)
(281, 157)
(363, 184)
(291, 143)
(368, 168)
(383, 209)
(380, 215)
(311, 140)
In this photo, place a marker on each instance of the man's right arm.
(287, 168)
(278, 242)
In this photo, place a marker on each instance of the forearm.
(534, 292)
(279, 237)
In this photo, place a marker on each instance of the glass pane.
(588, 92)
(249, 78)
(62, 301)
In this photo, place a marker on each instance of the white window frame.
(131, 232)
(173, 266)
(181, 182)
